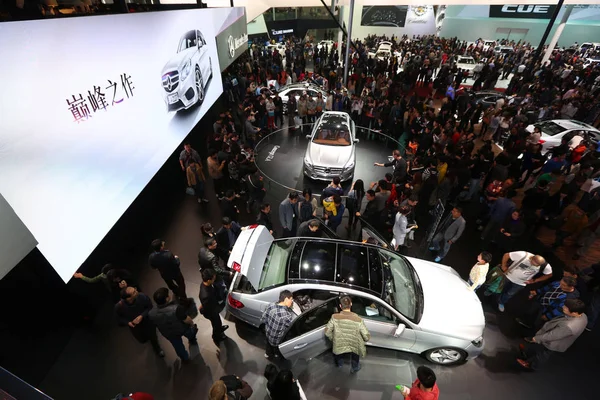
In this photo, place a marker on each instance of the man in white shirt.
(523, 268)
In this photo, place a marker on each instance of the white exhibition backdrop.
(68, 181)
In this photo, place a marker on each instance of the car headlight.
(307, 164)
(185, 71)
(350, 165)
(478, 342)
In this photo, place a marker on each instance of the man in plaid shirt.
(277, 318)
(551, 299)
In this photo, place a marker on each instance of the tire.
(284, 108)
(199, 86)
(445, 356)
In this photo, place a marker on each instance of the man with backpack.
(307, 207)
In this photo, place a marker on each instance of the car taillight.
(542, 141)
(252, 226)
(237, 267)
(234, 303)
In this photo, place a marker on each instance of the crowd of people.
(445, 159)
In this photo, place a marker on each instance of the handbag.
(190, 190)
(495, 280)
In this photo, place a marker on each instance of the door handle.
(300, 346)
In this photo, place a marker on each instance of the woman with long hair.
(354, 202)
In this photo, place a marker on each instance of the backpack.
(306, 211)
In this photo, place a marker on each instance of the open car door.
(368, 234)
(305, 338)
(325, 230)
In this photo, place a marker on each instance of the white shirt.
(524, 271)
(478, 274)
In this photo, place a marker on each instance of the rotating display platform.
(280, 158)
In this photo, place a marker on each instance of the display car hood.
(329, 156)
(177, 60)
(449, 306)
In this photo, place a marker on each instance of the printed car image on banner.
(96, 106)
(393, 16)
(232, 38)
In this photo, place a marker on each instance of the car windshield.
(187, 41)
(401, 290)
(550, 128)
(332, 135)
(274, 269)
(466, 61)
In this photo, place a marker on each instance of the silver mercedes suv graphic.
(331, 148)
(186, 76)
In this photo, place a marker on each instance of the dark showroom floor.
(103, 359)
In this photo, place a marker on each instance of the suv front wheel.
(445, 356)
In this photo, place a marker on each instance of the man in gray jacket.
(288, 211)
(557, 335)
(449, 232)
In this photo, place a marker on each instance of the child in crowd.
(423, 388)
(479, 270)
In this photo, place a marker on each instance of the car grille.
(170, 81)
(326, 170)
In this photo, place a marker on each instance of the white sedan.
(406, 303)
(466, 64)
(554, 130)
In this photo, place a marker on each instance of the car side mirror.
(356, 140)
(399, 330)
(308, 136)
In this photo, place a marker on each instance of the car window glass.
(275, 267)
(399, 289)
(313, 319)
(353, 265)
(295, 260)
(375, 271)
(306, 299)
(318, 261)
(373, 310)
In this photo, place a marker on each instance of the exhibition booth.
(281, 157)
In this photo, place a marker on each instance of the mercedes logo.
(231, 46)
(328, 170)
(168, 83)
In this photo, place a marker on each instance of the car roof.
(573, 124)
(335, 118)
(334, 282)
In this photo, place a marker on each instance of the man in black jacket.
(168, 265)
(372, 214)
(399, 165)
(209, 299)
(226, 237)
(229, 209)
(264, 217)
(132, 310)
(309, 228)
(206, 256)
(173, 322)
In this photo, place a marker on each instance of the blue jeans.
(509, 290)
(437, 245)
(178, 345)
(471, 284)
(199, 189)
(355, 360)
(474, 188)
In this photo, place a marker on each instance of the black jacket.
(223, 236)
(207, 259)
(229, 209)
(165, 262)
(265, 220)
